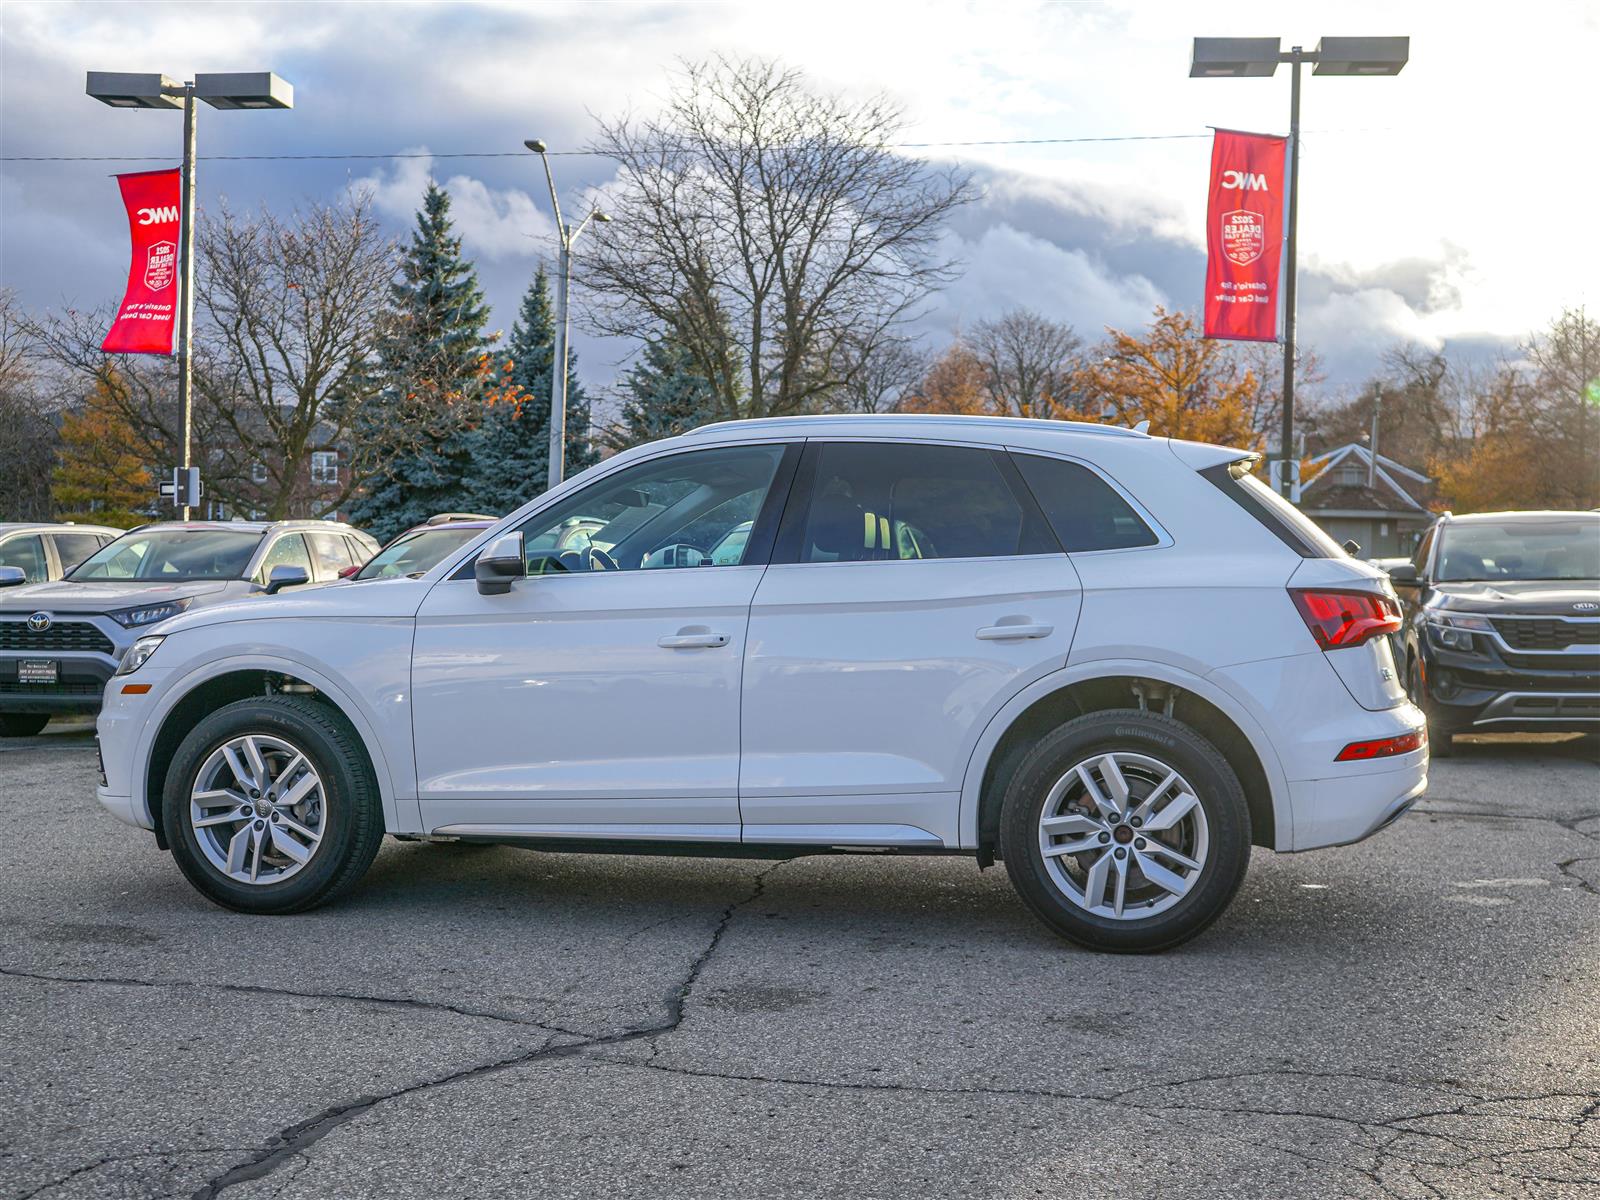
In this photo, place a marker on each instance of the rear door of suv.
(914, 588)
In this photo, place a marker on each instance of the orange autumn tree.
(954, 384)
(100, 478)
(1183, 384)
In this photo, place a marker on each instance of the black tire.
(353, 810)
(22, 724)
(1159, 738)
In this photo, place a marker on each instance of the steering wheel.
(599, 560)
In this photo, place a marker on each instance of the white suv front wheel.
(1125, 831)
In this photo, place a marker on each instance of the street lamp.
(566, 235)
(1252, 58)
(247, 89)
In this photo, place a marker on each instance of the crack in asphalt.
(293, 1141)
(128, 1156)
(263, 990)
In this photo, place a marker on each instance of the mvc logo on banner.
(148, 316)
(1244, 236)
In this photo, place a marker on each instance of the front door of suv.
(599, 697)
(914, 591)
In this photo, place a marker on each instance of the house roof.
(1391, 493)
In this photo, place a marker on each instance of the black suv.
(1502, 631)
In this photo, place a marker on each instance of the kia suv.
(1113, 661)
(1503, 624)
(61, 641)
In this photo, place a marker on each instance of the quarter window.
(332, 553)
(1083, 509)
(876, 501)
(686, 510)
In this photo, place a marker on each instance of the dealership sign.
(148, 316)
(1244, 236)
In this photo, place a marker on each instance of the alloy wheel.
(1123, 836)
(258, 809)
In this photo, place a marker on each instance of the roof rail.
(892, 420)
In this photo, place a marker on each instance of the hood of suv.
(66, 595)
(1531, 597)
(372, 599)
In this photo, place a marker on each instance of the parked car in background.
(44, 551)
(61, 641)
(421, 546)
(1111, 660)
(1502, 629)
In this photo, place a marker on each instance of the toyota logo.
(39, 622)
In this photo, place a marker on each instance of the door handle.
(1002, 633)
(693, 641)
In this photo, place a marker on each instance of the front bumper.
(1502, 692)
(86, 648)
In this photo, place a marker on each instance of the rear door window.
(876, 501)
(331, 552)
(73, 548)
(1084, 510)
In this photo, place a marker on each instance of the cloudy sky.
(1451, 206)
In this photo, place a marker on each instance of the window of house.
(325, 466)
(258, 472)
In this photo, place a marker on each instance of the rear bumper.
(1339, 810)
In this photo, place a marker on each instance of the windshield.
(172, 556)
(414, 553)
(1526, 550)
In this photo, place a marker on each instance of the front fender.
(373, 692)
(1206, 689)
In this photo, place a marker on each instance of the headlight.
(130, 618)
(139, 653)
(1454, 630)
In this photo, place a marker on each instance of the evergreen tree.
(415, 440)
(665, 395)
(511, 448)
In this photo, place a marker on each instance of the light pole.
(1247, 58)
(565, 235)
(251, 89)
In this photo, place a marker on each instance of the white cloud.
(493, 223)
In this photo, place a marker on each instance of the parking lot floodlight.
(1237, 58)
(244, 89)
(123, 89)
(1361, 55)
(535, 145)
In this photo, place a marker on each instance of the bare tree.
(292, 313)
(286, 322)
(874, 377)
(1028, 362)
(28, 440)
(784, 210)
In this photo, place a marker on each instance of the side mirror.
(1403, 573)
(286, 575)
(12, 577)
(347, 572)
(1352, 547)
(500, 565)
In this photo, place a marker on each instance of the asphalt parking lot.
(1418, 1015)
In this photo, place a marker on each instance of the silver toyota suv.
(61, 641)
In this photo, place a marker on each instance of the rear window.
(1083, 509)
(1282, 519)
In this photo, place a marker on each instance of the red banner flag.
(149, 314)
(1244, 236)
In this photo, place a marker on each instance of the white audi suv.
(1112, 661)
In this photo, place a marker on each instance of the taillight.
(1384, 747)
(1340, 619)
